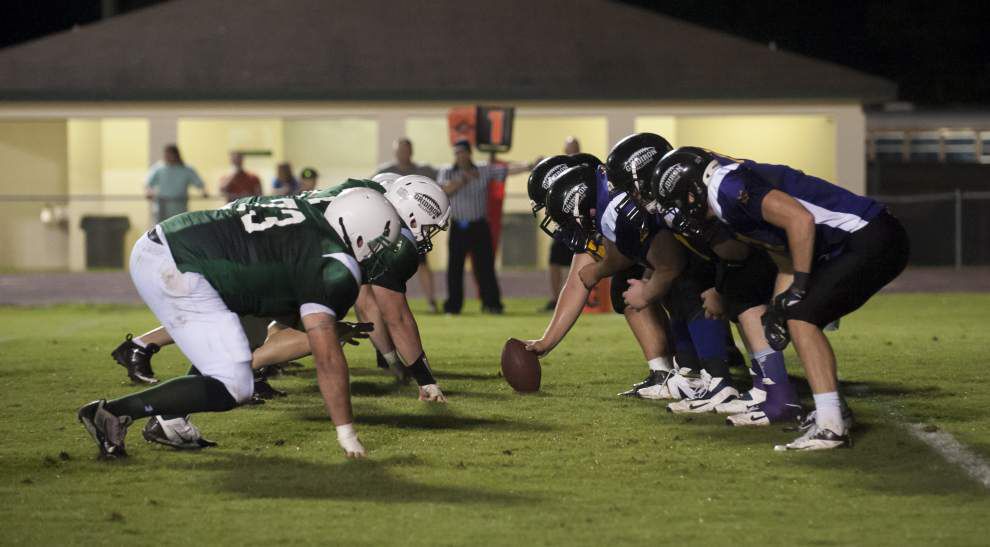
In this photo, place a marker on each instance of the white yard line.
(953, 451)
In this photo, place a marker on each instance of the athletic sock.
(392, 358)
(782, 399)
(756, 371)
(137, 340)
(193, 371)
(177, 397)
(828, 412)
(708, 337)
(664, 364)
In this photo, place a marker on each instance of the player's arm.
(367, 311)
(570, 303)
(405, 336)
(666, 254)
(783, 211)
(613, 263)
(332, 377)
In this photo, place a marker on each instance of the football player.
(198, 271)
(739, 289)
(834, 249)
(648, 326)
(699, 339)
(424, 208)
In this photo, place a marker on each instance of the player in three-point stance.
(198, 271)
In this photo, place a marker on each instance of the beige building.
(330, 85)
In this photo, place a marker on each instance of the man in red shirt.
(240, 183)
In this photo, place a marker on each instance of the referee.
(467, 185)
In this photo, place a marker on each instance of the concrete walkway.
(33, 289)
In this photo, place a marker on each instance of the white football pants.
(191, 310)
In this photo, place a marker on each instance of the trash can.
(519, 240)
(105, 241)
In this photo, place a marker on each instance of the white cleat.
(808, 420)
(816, 439)
(756, 417)
(674, 387)
(743, 403)
(718, 391)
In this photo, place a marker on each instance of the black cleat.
(136, 360)
(177, 433)
(655, 377)
(106, 429)
(264, 390)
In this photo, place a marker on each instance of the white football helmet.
(386, 179)
(368, 224)
(422, 205)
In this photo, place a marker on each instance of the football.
(520, 368)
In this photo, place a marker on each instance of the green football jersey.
(266, 258)
(402, 265)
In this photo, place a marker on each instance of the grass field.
(572, 465)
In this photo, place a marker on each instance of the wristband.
(420, 370)
(801, 281)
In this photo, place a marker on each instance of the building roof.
(397, 50)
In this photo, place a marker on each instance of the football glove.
(793, 296)
(775, 329)
(352, 333)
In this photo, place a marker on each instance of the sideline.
(952, 451)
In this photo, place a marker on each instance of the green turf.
(572, 465)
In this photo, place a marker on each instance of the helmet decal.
(670, 178)
(573, 197)
(553, 174)
(428, 204)
(639, 157)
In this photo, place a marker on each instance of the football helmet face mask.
(679, 185)
(368, 225)
(423, 207)
(570, 210)
(630, 164)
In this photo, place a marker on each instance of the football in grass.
(520, 368)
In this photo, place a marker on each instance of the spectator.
(403, 165)
(285, 184)
(240, 183)
(307, 179)
(168, 185)
(467, 185)
(560, 255)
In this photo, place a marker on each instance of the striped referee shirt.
(470, 203)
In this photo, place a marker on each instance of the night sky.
(937, 52)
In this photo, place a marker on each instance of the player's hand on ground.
(352, 333)
(711, 301)
(635, 295)
(347, 438)
(431, 393)
(540, 347)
